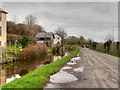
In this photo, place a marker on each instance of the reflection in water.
(56, 57)
(12, 78)
(23, 67)
(23, 72)
(3, 77)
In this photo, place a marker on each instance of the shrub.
(94, 45)
(24, 41)
(105, 44)
(56, 49)
(118, 43)
(108, 45)
(33, 51)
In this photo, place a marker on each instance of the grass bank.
(109, 53)
(12, 49)
(38, 78)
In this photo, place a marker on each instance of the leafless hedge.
(113, 48)
(33, 51)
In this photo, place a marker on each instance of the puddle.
(76, 58)
(80, 69)
(11, 79)
(66, 54)
(95, 67)
(107, 73)
(57, 57)
(62, 77)
(71, 63)
(114, 80)
(66, 67)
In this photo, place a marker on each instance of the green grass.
(49, 50)
(38, 78)
(113, 54)
(8, 66)
(13, 49)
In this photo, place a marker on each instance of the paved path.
(100, 71)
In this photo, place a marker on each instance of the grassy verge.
(12, 49)
(113, 54)
(38, 78)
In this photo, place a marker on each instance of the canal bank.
(39, 77)
(23, 67)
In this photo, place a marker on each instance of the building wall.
(3, 36)
(57, 39)
(51, 41)
(47, 43)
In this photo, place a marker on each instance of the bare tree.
(30, 20)
(15, 19)
(72, 40)
(61, 32)
(82, 41)
(109, 37)
(89, 41)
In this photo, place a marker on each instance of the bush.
(56, 49)
(24, 41)
(70, 48)
(33, 51)
(94, 45)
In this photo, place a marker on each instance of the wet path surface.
(90, 69)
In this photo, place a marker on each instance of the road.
(100, 71)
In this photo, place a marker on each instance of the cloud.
(91, 19)
(60, 0)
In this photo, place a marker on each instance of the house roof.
(44, 34)
(1, 10)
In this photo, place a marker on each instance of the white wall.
(40, 42)
(3, 23)
(57, 39)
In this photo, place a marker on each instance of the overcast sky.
(90, 19)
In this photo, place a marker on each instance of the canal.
(21, 68)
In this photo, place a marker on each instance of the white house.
(48, 38)
(57, 40)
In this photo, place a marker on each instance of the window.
(0, 43)
(0, 31)
(58, 43)
(58, 37)
(53, 36)
(0, 16)
(41, 39)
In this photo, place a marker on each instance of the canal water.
(21, 68)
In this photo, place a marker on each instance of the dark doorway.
(47, 43)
